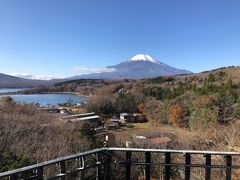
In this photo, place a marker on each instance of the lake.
(48, 99)
(45, 99)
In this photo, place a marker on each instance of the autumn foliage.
(176, 115)
(141, 107)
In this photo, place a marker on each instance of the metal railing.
(101, 163)
(77, 160)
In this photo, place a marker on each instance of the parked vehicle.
(125, 118)
(114, 120)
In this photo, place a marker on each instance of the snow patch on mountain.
(143, 57)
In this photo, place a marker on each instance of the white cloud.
(88, 70)
(31, 76)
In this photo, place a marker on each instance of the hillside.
(232, 72)
(90, 86)
(7, 81)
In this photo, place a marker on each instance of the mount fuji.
(137, 67)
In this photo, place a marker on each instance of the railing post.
(148, 165)
(107, 166)
(62, 169)
(82, 164)
(229, 168)
(128, 164)
(99, 168)
(13, 177)
(167, 165)
(208, 167)
(187, 166)
(40, 173)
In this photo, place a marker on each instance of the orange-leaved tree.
(141, 107)
(176, 115)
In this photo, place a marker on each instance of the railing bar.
(57, 176)
(208, 167)
(8, 173)
(148, 165)
(128, 164)
(54, 161)
(40, 173)
(173, 151)
(107, 165)
(63, 169)
(61, 175)
(183, 165)
(188, 165)
(89, 167)
(71, 172)
(82, 164)
(75, 170)
(228, 165)
(229, 170)
(13, 177)
(167, 168)
(99, 169)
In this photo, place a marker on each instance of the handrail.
(173, 151)
(50, 162)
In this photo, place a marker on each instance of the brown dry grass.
(37, 134)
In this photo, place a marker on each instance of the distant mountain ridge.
(7, 81)
(137, 67)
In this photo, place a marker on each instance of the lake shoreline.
(57, 92)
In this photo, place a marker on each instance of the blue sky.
(50, 38)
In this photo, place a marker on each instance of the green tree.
(6, 100)
(10, 161)
(87, 131)
(225, 102)
(200, 117)
(126, 103)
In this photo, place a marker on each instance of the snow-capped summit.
(143, 57)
